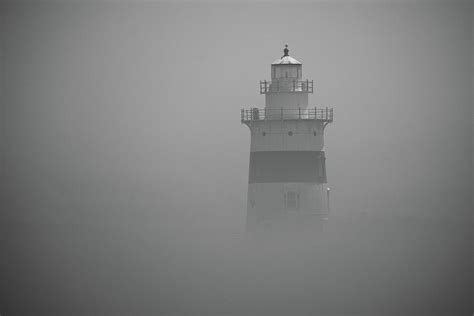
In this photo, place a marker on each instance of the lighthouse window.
(315, 133)
(291, 200)
(264, 133)
(290, 133)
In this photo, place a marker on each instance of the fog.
(125, 166)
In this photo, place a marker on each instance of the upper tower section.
(286, 96)
(286, 67)
(286, 74)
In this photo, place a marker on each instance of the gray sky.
(151, 93)
(129, 113)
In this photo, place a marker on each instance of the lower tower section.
(287, 170)
(280, 206)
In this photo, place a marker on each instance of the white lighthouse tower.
(287, 169)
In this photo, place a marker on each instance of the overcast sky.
(148, 95)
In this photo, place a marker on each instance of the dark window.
(291, 200)
(290, 133)
(315, 134)
(264, 133)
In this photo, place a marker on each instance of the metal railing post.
(281, 117)
(299, 113)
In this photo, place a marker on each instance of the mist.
(125, 167)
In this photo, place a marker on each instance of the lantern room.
(286, 67)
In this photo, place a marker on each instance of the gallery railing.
(286, 85)
(255, 114)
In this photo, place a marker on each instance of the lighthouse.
(287, 183)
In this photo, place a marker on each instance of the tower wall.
(287, 135)
(281, 165)
(286, 100)
(267, 203)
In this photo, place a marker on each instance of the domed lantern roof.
(286, 59)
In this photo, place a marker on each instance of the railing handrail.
(255, 114)
(287, 80)
(286, 85)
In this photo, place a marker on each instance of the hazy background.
(124, 164)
